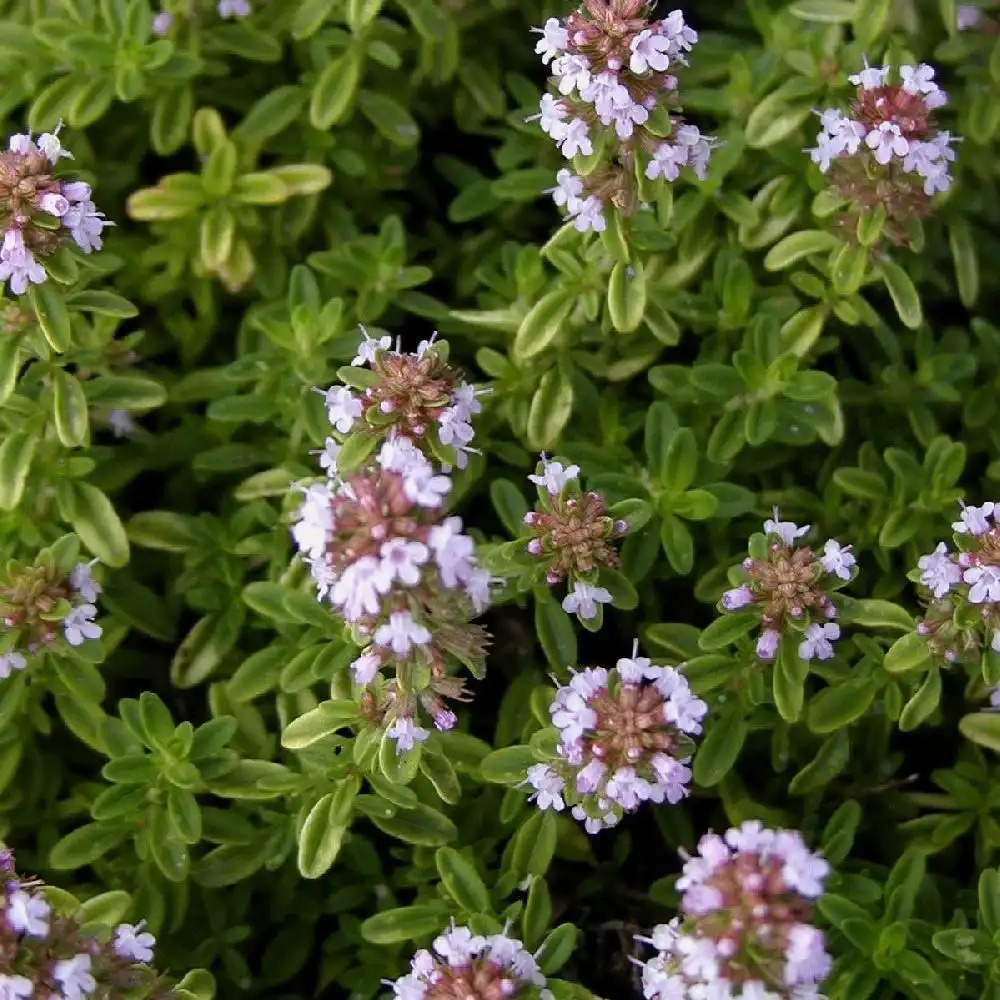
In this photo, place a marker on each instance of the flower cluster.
(38, 211)
(44, 954)
(888, 151)
(745, 931)
(789, 585)
(963, 587)
(407, 394)
(613, 70)
(467, 966)
(42, 601)
(572, 536)
(227, 9)
(624, 737)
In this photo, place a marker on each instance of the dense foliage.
(495, 499)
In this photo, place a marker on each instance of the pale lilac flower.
(818, 641)
(572, 72)
(548, 787)
(551, 117)
(649, 51)
(79, 625)
(234, 8)
(402, 560)
(366, 667)
(454, 553)
(568, 190)
(886, 141)
(837, 559)
(975, 520)
(667, 161)
(967, 17)
(985, 584)
(11, 661)
(583, 600)
(358, 591)
(131, 942)
(54, 204)
(554, 476)
(18, 264)
(918, 79)
(590, 215)
(28, 914)
(342, 407)
(625, 119)
(738, 597)
(162, 23)
(86, 225)
(401, 633)
(368, 348)
(74, 977)
(328, 456)
(554, 40)
(15, 988)
(407, 734)
(939, 572)
(82, 581)
(576, 139)
(787, 531)
(121, 423)
(871, 77)
(767, 644)
(606, 92)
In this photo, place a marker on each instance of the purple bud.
(162, 23)
(530, 518)
(621, 527)
(923, 629)
(535, 547)
(387, 406)
(53, 204)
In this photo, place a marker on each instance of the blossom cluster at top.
(228, 9)
(467, 966)
(36, 603)
(416, 395)
(963, 587)
(888, 150)
(745, 931)
(572, 536)
(382, 553)
(624, 739)
(43, 954)
(613, 71)
(29, 197)
(789, 585)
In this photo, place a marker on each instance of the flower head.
(744, 929)
(625, 736)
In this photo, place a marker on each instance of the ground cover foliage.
(302, 675)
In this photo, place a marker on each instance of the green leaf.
(718, 751)
(69, 410)
(323, 831)
(923, 703)
(461, 880)
(623, 594)
(794, 247)
(555, 631)
(982, 728)
(903, 293)
(95, 520)
(908, 652)
(557, 948)
(772, 120)
(406, 923)
(86, 844)
(508, 502)
(507, 766)
(840, 704)
(963, 254)
(626, 296)
(789, 679)
(876, 614)
(334, 91)
(727, 630)
(824, 11)
(52, 315)
(543, 323)
(675, 537)
(390, 118)
(551, 407)
(318, 723)
(423, 826)
(163, 530)
(680, 461)
(16, 455)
